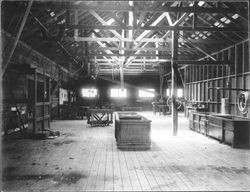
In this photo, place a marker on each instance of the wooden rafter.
(157, 28)
(140, 9)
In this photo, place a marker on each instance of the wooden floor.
(86, 158)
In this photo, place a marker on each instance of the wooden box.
(132, 131)
(237, 132)
(215, 128)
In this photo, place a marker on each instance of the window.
(89, 92)
(146, 93)
(168, 93)
(63, 96)
(122, 93)
(179, 92)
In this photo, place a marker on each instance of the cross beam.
(125, 8)
(158, 28)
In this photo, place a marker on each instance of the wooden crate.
(237, 132)
(132, 131)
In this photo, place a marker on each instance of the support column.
(248, 43)
(35, 102)
(122, 76)
(161, 73)
(174, 81)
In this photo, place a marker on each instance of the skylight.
(223, 19)
(204, 37)
(227, 21)
(109, 22)
(61, 22)
(235, 16)
(216, 23)
(52, 14)
(201, 3)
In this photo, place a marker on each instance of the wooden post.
(44, 89)
(161, 72)
(248, 41)
(18, 36)
(174, 81)
(122, 75)
(35, 101)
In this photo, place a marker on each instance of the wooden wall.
(18, 90)
(198, 78)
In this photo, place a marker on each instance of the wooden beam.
(198, 48)
(126, 8)
(159, 28)
(174, 82)
(126, 54)
(26, 14)
(101, 20)
(140, 48)
(190, 62)
(76, 23)
(145, 40)
(58, 42)
(35, 103)
(129, 71)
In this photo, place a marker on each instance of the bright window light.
(89, 92)
(179, 92)
(52, 14)
(146, 93)
(204, 37)
(227, 21)
(221, 25)
(120, 93)
(168, 92)
(216, 23)
(109, 22)
(201, 3)
(235, 16)
(223, 19)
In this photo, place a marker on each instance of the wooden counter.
(228, 129)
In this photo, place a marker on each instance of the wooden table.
(163, 109)
(100, 117)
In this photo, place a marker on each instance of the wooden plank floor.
(86, 158)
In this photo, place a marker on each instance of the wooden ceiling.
(105, 37)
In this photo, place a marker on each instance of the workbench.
(100, 117)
